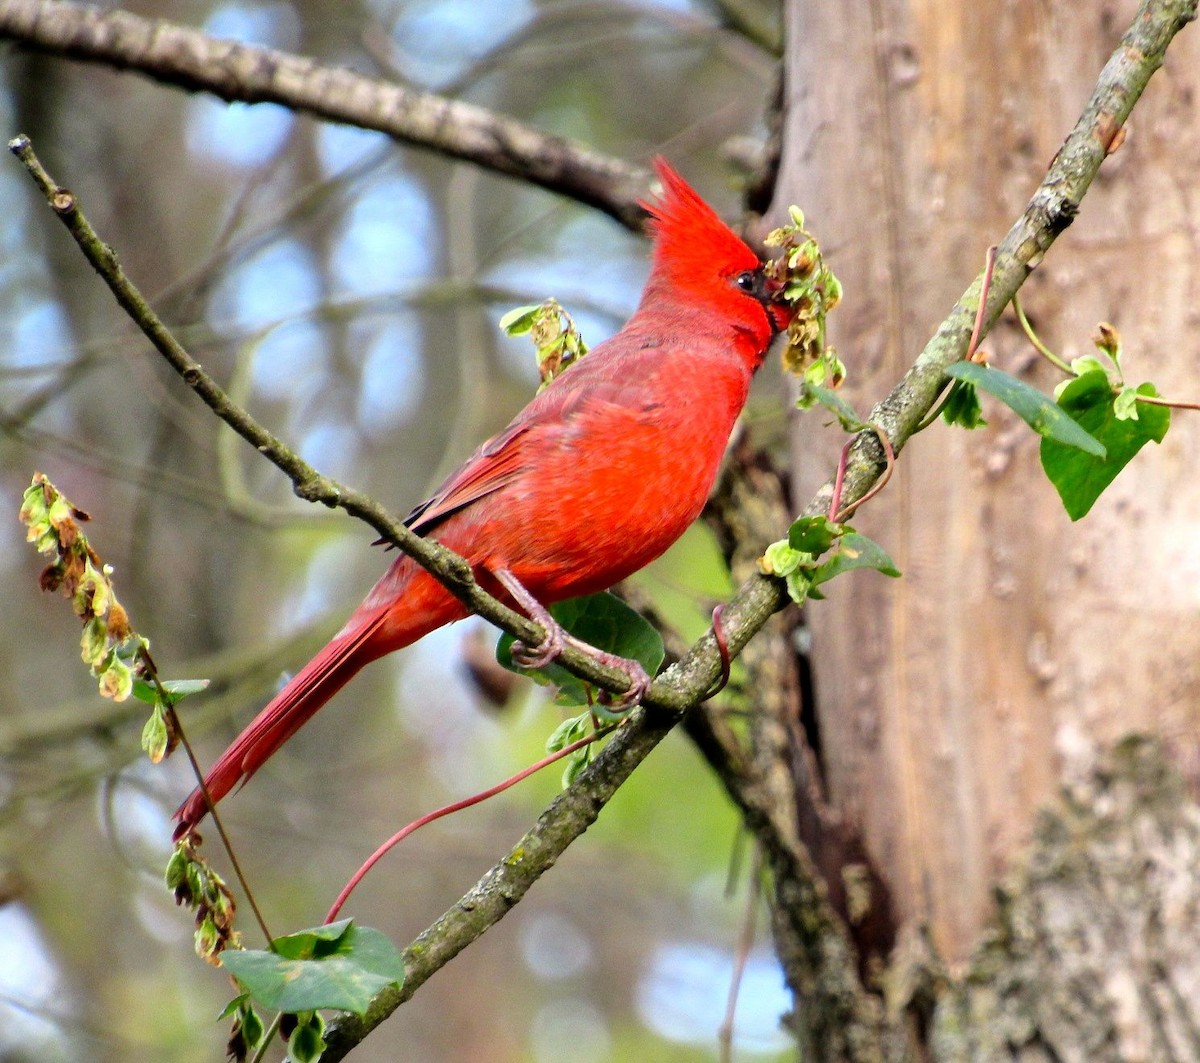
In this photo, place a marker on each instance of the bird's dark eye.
(747, 281)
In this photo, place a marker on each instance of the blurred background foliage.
(348, 291)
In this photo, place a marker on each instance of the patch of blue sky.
(33, 1008)
(244, 135)
(290, 358)
(332, 447)
(437, 41)
(13, 237)
(682, 998)
(393, 375)
(272, 25)
(599, 289)
(341, 146)
(588, 258)
(324, 587)
(388, 239)
(278, 282)
(41, 337)
(138, 815)
(240, 134)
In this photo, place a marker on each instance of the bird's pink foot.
(551, 647)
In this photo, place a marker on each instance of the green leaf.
(962, 406)
(601, 620)
(1080, 478)
(1125, 404)
(794, 566)
(813, 394)
(307, 1041)
(234, 1006)
(340, 966)
(1087, 363)
(177, 688)
(855, 551)
(315, 942)
(1035, 409)
(567, 732)
(252, 1027)
(519, 320)
(813, 535)
(576, 762)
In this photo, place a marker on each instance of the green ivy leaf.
(1037, 410)
(339, 966)
(1080, 478)
(813, 535)
(601, 620)
(519, 320)
(962, 406)
(177, 688)
(307, 1041)
(567, 732)
(815, 395)
(855, 551)
(576, 762)
(1125, 404)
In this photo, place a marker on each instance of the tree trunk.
(1019, 649)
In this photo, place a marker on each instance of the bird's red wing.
(492, 466)
(587, 387)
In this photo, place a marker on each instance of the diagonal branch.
(193, 60)
(820, 943)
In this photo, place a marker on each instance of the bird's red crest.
(689, 236)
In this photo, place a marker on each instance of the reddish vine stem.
(457, 806)
(889, 456)
(718, 630)
(1158, 400)
(985, 289)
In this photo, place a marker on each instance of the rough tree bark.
(1019, 649)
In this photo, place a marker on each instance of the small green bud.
(154, 736)
(94, 642)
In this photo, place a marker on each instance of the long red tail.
(375, 629)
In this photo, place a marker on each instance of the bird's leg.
(552, 646)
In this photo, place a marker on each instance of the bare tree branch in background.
(192, 60)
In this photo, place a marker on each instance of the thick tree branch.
(190, 59)
(825, 950)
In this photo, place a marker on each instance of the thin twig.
(1033, 338)
(449, 568)
(166, 699)
(741, 959)
(1175, 404)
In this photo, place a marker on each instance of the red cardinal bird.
(594, 479)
